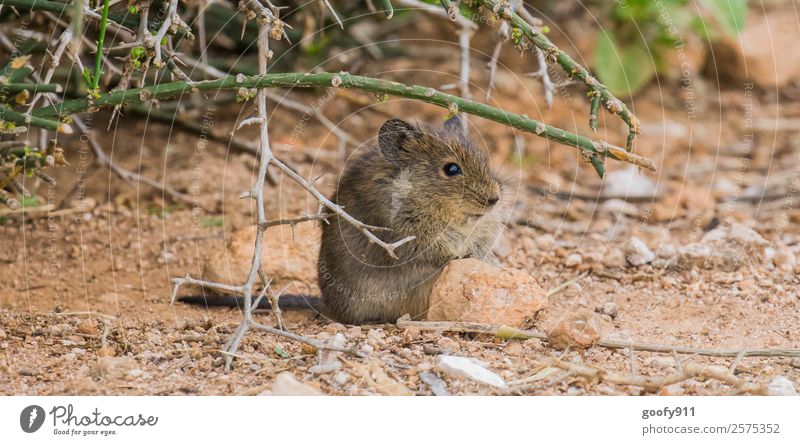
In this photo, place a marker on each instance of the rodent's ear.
(455, 125)
(392, 135)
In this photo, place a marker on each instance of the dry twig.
(685, 371)
(508, 333)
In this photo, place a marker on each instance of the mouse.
(432, 183)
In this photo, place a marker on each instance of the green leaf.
(729, 14)
(281, 352)
(624, 68)
(138, 53)
(87, 77)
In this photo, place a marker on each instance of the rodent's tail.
(285, 301)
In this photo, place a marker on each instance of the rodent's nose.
(492, 200)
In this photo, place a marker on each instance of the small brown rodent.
(434, 184)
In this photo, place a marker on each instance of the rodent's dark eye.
(452, 169)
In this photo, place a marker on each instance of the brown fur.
(401, 185)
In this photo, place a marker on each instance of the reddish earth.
(84, 297)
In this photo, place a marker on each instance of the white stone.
(573, 260)
(628, 183)
(341, 378)
(736, 233)
(781, 386)
(638, 254)
(465, 367)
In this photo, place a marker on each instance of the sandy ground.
(84, 296)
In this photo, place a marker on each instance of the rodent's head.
(441, 173)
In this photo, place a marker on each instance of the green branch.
(126, 20)
(573, 68)
(98, 63)
(34, 121)
(32, 88)
(593, 151)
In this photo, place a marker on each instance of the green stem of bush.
(595, 152)
(573, 68)
(98, 63)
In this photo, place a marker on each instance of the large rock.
(764, 51)
(284, 257)
(726, 248)
(471, 290)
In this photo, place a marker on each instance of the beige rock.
(287, 385)
(761, 52)
(784, 259)
(726, 248)
(578, 330)
(112, 368)
(448, 345)
(106, 351)
(471, 290)
(613, 257)
(284, 257)
(88, 328)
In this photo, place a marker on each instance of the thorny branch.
(594, 151)
(522, 28)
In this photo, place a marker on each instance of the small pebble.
(341, 378)
(638, 254)
(448, 345)
(608, 308)
(784, 259)
(513, 348)
(580, 330)
(545, 242)
(574, 259)
(334, 328)
(88, 328)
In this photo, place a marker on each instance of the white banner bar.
(377, 420)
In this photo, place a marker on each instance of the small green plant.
(633, 44)
(30, 201)
(281, 353)
(211, 222)
(138, 55)
(162, 212)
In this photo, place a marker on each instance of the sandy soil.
(84, 296)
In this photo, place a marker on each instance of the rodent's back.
(429, 183)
